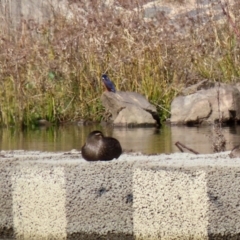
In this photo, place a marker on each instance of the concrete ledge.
(61, 196)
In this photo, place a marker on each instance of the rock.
(178, 16)
(130, 109)
(235, 153)
(207, 105)
(204, 84)
(43, 123)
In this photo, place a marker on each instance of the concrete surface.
(61, 196)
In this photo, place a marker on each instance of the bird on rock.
(108, 83)
(100, 148)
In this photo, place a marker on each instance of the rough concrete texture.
(61, 196)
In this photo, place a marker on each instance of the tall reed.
(52, 70)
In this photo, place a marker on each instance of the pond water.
(145, 140)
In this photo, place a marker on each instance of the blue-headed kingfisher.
(108, 83)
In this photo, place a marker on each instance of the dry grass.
(53, 70)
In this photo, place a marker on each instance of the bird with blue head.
(108, 83)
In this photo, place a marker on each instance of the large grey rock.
(129, 109)
(207, 106)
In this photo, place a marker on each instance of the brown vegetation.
(52, 70)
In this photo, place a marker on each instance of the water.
(145, 140)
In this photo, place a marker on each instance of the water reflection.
(146, 140)
(201, 138)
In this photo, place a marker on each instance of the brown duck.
(98, 147)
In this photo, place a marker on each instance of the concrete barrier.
(61, 196)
